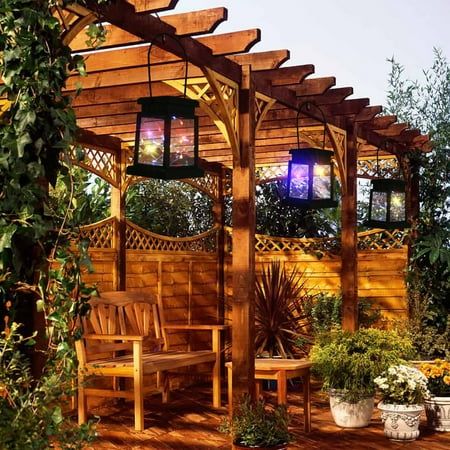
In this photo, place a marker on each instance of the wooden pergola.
(249, 103)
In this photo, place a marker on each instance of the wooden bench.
(125, 336)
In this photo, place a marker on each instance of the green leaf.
(23, 140)
(40, 305)
(7, 232)
(57, 416)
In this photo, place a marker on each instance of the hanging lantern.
(166, 143)
(310, 182)
(387, 205)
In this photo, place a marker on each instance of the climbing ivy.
(37, 273)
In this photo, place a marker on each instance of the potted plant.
(253, 425)
(437, 407)
(348, 364)
(403, 390)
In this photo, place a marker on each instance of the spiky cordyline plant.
(280, 319)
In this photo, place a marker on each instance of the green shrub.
(253, 425)
(351, 361)
(324, 312)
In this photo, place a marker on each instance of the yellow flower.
(447, 379)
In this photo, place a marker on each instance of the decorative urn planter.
(350, 415)
(437, 410)
(401, 422)
(273, 447)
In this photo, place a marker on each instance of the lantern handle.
(178, 41)
(308, 105)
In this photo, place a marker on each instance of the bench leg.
(282, 387)
(307, 401)
(216, 369)
(258, 389)
(230, 391)
(82, 401)
(165, 387)
(138, 387)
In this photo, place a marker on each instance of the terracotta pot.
(401, 422)
(437, 410)
(350, 415)
(273, 447)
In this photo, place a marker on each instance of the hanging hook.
(178, 41)
(307, 106)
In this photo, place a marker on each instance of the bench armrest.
(196, 327)
(113, 337)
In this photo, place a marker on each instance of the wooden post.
(411, 175)
(243, 259)
(349, 238)
(118, 211)
(219, 221)
(410, 171)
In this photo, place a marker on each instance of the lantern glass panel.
(298, 187)
(397, 213)
(379, 206)
(321, 181)
(151, 141)
(182, 142)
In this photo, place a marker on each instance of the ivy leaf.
(57, 416)
(23, 140)
(7, 233)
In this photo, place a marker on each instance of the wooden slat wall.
(188, 282)
(104, 268)
(381, 276)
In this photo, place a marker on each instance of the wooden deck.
(188, 422)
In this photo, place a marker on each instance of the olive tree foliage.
(37, 130)
(274, 218)
(426, 105)
(170, 208)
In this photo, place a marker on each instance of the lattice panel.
(265, 244)
(100, 234)
(141, 239)
(370, 240)
(228, 182)
(97, 161)
(209, 184)
(387, 168)
(382, 239)
(266, 174)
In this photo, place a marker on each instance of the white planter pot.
(437, 410)
(401, 422)
(350, 415)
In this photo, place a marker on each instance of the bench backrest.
(124, 313)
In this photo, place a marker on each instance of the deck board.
(189, 422)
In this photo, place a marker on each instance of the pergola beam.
(263, 60)
(285, 75)
(194, 23)
(152, 6)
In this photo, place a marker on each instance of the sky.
(348, 39)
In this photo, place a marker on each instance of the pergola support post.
(243, 252)
(219, 222)
(349, 237)
(118, 211)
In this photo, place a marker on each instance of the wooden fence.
(184, 272)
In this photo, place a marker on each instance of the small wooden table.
(280, 370)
